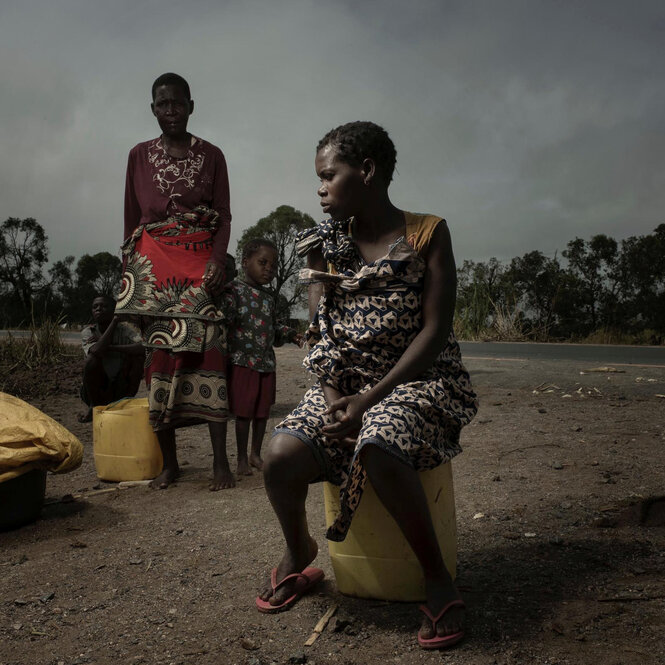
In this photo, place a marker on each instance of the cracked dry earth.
(561, 550)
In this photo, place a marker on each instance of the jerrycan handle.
(112, 404)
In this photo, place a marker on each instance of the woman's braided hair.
(356, 141)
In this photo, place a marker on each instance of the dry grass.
(507, 324)
(485, 320)
(614, 336)
(43, 346)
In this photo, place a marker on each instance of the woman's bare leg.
(288, 468)
(170, 468)
(401, 492)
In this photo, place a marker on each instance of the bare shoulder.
(441, 232)
(439, 251)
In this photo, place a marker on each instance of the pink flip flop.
(440, 641)
(305, 581)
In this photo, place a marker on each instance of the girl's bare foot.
(438, 596)
(165, 478)
(256, 461)
(222, 479)
(243, 468)
(292, 562)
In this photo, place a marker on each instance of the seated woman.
(393, 393)
(114, 358)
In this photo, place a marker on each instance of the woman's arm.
(221, 197)
(438, 308)
(315, 261)
(132, 207)
(221, 203)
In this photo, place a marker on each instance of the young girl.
(393, 393)
(253, 331)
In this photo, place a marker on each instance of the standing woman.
(177, 226)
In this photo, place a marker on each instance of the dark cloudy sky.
(524, 122)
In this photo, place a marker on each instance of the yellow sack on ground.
(29, 439)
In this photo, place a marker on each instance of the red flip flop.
(440, 641)
(305, 581)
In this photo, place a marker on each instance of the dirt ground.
(560, 525)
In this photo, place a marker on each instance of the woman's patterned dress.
(367, 317)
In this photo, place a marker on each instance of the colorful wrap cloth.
(182, 324)
(162, 281)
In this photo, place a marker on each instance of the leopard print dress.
(367, 317)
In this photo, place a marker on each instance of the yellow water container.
(124, 445)
(375, 561)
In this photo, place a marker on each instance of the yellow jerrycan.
(124, 445)
(374, 560)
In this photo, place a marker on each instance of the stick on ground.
(320, 626)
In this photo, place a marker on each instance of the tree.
(97, 274)
(100, 274)
(536, 281)
(482, 294)
(23, 253)
(61, 289)
(641, 274)
(593, 265)
(281, 226)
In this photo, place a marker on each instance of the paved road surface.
(602, 354)
(592, 353)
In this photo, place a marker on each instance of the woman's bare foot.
(256, 461)
(244, 468)
(222, 478)
(439, 594)
(292, 562)
(165, 478)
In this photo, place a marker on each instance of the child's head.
(259, 261)
(103, 307)
(349, 160)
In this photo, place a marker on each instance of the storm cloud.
(524, 123)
